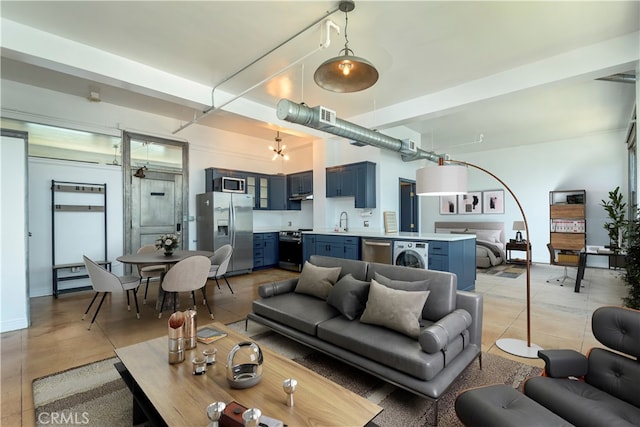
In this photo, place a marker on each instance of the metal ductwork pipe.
(325, 120)
(620, 78)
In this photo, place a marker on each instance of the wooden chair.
(554, 261)
(187, 275)
(149, 271)
(105, 281)
(220, 263)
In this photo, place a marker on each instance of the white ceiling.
(425, 51)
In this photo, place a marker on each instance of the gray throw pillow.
(419, 285)
(395, 309)
(317, 281)
(349, 296)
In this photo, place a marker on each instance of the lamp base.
(518, 348)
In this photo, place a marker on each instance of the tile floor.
(58, 339)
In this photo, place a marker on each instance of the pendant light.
(347, 72)
(278, 150)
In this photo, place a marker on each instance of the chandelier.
(278, 150)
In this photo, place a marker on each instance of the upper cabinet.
(299, 187)
(268, 191)
(356, 180)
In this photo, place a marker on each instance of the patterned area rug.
(505, 270)
(95, 395)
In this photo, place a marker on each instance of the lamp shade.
(518, 225)
(441, 180)
(346, 73)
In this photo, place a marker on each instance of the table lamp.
(518, 226)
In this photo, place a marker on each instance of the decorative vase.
(168, 252)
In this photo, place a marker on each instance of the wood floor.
(58, 340)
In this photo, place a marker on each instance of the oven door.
(290, 251)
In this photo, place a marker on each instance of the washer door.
(410, 258)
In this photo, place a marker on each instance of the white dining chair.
(149, 271)
(220, 263)
(188, 275)
(105, 281)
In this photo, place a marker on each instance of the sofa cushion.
(358, 269)
(395, 309)
(443, 287)
(299, 311)
(389, 348)
(317, 281)
(349, 296)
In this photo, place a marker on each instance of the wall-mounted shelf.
(76, 231)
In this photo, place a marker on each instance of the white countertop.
(394, 236)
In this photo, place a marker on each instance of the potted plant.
(615, 227)
(632, 271)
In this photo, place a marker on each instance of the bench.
(56, 268)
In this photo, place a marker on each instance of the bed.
(490, 239)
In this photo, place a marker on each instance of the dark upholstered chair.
(599, 389)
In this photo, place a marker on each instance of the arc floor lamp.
(449, 177)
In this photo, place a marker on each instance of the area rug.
(504, 270)
(95, 395)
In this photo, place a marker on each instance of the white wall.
(41, 172)
(595, 163)
(13, 229)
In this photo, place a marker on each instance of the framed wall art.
(493, 202)
(448, 205)
(470, 203)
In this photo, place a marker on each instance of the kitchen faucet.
(346, 221)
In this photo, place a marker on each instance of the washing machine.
(411, 254)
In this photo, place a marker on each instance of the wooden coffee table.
(181, 398)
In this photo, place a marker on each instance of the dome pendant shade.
(346, 73)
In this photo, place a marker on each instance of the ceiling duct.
(358, 135)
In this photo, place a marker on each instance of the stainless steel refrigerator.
(226, 218)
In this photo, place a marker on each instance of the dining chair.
(188, 275)
(149, 271)
(220, 263)
(554, 261)
(105, 281)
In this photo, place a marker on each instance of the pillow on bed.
(486, 235)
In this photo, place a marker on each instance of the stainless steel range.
(290, 250)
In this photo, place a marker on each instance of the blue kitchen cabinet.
(277, 194)
(356, 180)
(298, 186)
(265, 250)
(337, 246)
(457, 257)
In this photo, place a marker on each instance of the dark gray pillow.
(420, 285)
(317, 281)
(349, 296)
(395, 309)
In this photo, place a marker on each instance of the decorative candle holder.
(289, 386)
(199, 365)
(251, 417)
(214, 412)
(210, 355)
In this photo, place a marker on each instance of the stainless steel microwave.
(229, 185)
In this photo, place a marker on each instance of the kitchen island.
(455, 253)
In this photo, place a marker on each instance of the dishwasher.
(377, 250)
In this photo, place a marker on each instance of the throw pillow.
(395, 309)
(317, 281)
(349, 296)
(419, 285)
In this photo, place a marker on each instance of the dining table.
(159, 258)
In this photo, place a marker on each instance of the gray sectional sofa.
(374, 317)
